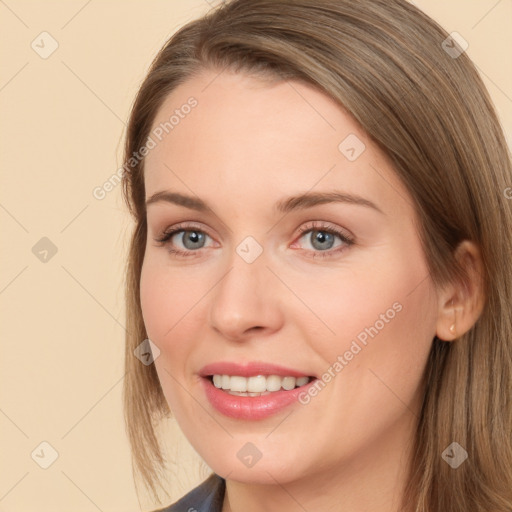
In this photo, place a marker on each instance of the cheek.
(172, 302)
(154, 302)
(166, 298)
(380, 319)
(165, 303)
(383, 324)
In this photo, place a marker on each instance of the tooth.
(288, 383)
(301, 381)
(226, 382)
(257, 384)
(239, 384)
(273, 383)
(217, 381)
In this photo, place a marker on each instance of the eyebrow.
(299, 202)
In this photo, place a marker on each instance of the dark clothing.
(206, 497)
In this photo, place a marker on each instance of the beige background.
(63, 121)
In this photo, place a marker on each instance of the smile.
(253, 390)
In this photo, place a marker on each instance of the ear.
(461, 303)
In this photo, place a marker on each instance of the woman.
(321, 260)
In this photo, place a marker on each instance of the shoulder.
(206, 497)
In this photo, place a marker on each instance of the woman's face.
(304, 266)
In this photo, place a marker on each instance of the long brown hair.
(390, 66)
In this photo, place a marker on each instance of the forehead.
(254, 137)
(241, 104)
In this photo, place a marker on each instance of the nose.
(246, 301)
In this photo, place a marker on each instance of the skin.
(247, 145)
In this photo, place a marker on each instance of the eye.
(323, 237)
(191, 239)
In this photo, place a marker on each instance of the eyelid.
(326, 226)
(182, 226)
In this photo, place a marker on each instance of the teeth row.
(258, 383)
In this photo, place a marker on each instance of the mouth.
(257, 385)
(253, 391)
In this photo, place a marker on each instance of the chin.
(246, 464)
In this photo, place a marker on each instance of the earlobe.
(448, 327)
(462, 302)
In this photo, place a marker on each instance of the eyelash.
(164, 238)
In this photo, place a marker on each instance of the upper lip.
(250, 369)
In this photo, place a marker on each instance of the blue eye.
(191, 239)
(321, 237)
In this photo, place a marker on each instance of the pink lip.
(250, 407)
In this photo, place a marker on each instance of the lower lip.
(251, 407)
